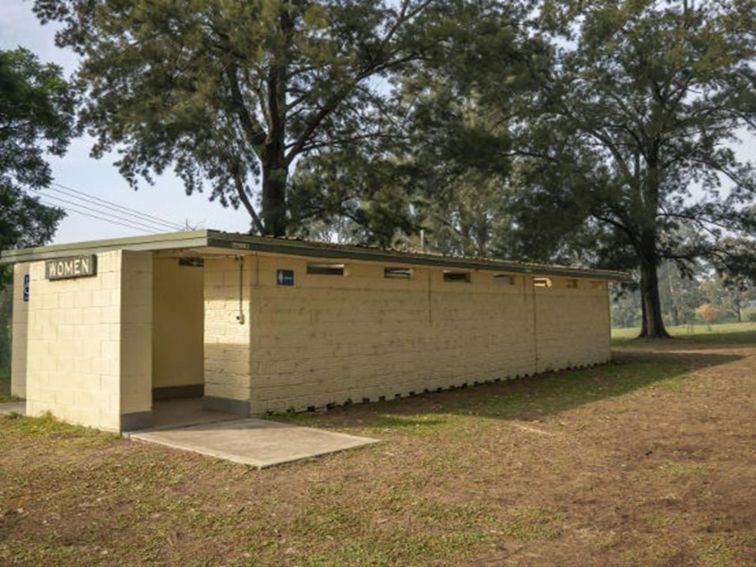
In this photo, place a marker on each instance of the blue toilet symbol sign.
(26, 287)
(285, 277)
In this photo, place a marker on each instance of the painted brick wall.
(329, 339)
(20, 322)
(227, 339)
(572, 324)
(136, 334)
(73, 345)
(178, 315)
(85, 335)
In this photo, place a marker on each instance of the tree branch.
(244, 198)
(255, 133)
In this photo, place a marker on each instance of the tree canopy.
(36, 117)
(556, 130)
(445, 156)
(625, 142)
(232, 93)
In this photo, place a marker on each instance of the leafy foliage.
(620, 134)
(447, 153)
(355, 195)
(36, 116)
(642, 112)
(232, 93)
(708, 313)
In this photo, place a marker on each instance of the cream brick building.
(104, 330)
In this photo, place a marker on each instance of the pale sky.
(166, 199)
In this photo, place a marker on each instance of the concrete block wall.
(73, 350)
(136, 340)
(178, 318)
(572, 324)
(89, 343)
(20, 330)
(330, 339)
(324, 340)
(227, 333)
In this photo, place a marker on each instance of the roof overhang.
(243, 243)
(166, 241)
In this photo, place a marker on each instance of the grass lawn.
(724, 333)
(4, 385)
(647, 461)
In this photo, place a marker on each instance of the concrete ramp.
(256, 442)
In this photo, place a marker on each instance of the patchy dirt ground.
(648, 461)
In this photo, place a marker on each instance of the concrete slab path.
(256, 442)
(8, 408)
(171, 414)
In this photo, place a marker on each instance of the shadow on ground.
(524, 399)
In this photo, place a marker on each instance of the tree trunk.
(275, 167)
(653, 325)
(274, 199)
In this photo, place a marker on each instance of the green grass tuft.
(532, 523)
(725, 549)
(659, 520)
(735, 334)
(681, 469)
(50, 427)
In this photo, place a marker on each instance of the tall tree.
(36, 117)
(630, 136)
(443, 163)
(233, 92)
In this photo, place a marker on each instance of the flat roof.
(294, 247)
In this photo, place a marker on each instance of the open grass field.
(648, 461)
(727, 333)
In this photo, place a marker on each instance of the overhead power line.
(100, 218)
(105, 214)
(121, 209)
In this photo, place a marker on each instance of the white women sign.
(73, 267)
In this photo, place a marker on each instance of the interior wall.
(227, 333)
(178, 318)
